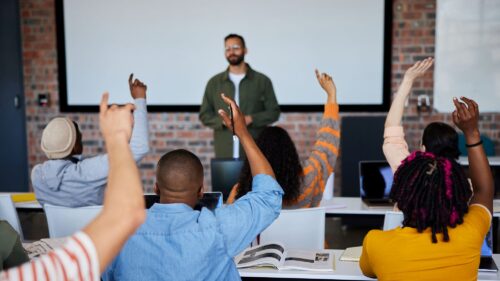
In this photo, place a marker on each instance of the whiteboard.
(467, 53)
(176, 46)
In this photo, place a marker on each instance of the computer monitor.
(225, 174)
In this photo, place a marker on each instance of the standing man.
(252, 91)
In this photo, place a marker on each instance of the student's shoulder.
(478, 212)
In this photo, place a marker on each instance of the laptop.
(225, 173)
(375, 182)
(210, 200)
(487, 264)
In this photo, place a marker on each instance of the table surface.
(355, 206)
(344, 270)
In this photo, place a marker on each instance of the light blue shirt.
(63, 182)
(178, 243)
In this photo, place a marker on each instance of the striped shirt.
(76, 260)
(320, 164)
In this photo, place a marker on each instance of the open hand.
(418, 69)
(137, 88)
(466, 115)
(326, 82)
(239, 123)
(115, 121)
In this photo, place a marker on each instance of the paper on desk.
(352, 254)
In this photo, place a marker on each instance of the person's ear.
(200, 191)
(156, 189)
(422, 147)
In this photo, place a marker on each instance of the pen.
(232, 119)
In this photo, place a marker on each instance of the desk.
(339, 206)
(343, 271)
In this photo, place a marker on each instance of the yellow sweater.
(405, 254)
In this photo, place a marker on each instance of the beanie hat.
(58, 138)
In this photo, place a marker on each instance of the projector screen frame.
(383, 107)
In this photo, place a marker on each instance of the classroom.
(114, 125)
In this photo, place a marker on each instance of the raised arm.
(466, 117)
(321, 162)
(395, 114)
(395, 147)
(123, 210)
(139, 142)
(251, 214)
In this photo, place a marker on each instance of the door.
(13, 150)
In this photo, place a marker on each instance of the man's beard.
(235, 59)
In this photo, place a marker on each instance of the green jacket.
(257, 99)
(11, 250)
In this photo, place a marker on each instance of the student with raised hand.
(445, 222)
(88, 252)
(438, 137)
(303, 186)
(179, 243)
(69, 180)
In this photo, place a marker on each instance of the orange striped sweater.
(320, 164)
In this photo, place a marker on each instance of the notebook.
(375, 182)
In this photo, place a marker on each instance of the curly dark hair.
(431, 191)
(280, 151)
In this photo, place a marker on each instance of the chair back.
(8, 212)
(392, 220)
(299, 229)
(64, 221)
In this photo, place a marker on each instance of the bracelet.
(474, 144)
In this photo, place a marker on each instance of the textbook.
(352, 254)
(274, 255)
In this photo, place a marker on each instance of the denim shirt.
(178, 243)
(81, 182)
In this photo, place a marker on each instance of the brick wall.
(413, 39)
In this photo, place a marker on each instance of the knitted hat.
(58, 138)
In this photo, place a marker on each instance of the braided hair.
(431, 191)
(280, 151)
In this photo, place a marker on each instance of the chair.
(225, 173)
(299, 229)
(8, 212)
(64, 221)
(392, 220)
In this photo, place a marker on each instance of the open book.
(274, 255)
(43, 246)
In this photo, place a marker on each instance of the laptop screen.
(375, 179)
(487, 248)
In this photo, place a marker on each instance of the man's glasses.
(233, 47)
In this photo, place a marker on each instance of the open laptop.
(487, 264)
(210, 200)
(225, 174)
(375, 182)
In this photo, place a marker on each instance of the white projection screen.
(176, 46)
(467, 53)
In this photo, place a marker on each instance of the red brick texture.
(413, 39)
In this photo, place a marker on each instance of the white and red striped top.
(76, 260)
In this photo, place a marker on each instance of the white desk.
(343, 271)
(339, 206)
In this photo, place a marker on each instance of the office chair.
(392, 220)
(299, 229)
(64, 221)
(8, 212)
